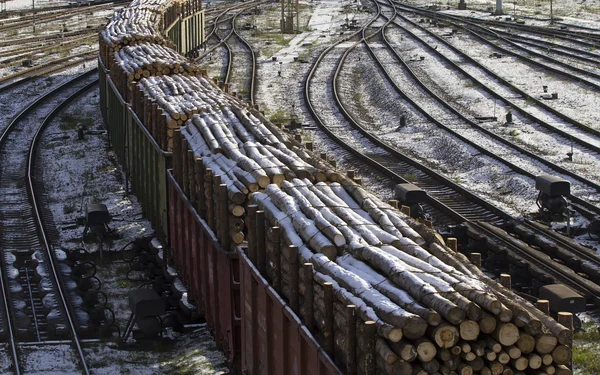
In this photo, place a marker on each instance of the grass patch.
(279, 117)
(587, 360)
(68, 209)
(410, 177)
(585, 349)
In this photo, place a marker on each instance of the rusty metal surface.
(211, 273)
(274, 341)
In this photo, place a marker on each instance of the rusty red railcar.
(251, 322)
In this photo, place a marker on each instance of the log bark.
(412, 284)
(364, 312)
(388, 289)
(384, 352)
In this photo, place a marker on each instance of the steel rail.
(8, 312)
(45, 18)
(514, 53)
(487, 132)
(578, 201)
(252, 87)
(495, 215)
(503, 81)
(37, 209)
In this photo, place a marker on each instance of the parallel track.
(583, 144)
(61, 15)
(448, 202)
(222, 40)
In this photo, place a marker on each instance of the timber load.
(140, 22)
(327, 244)
(380, 291)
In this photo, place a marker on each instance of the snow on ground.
(28, 4)
(80, 172)
(86, 172)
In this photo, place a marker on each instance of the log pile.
(343, 259)
(132, 43)
(148, 59)
(131, 26)
(429, 315)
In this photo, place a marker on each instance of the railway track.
(53, 16)
(26, 75)
(244, 72)
(588, 148)
(551, 70)
(34, 277)
(15, 57)
(453, 203)
(448, 202)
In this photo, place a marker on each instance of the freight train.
(295, 267)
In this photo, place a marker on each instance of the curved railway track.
(454, 202)
(33, 276)
(448, 202)
(584, 146)
(247, 74)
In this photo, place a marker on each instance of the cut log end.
(264, 181)
(506, 334)
(446, 336)
(469, 330)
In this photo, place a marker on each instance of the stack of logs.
(429, 311)
(150, 59)
(168, 102)
(380, 293)
(235, 146)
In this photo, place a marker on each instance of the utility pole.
(551, 14)
(33, 5)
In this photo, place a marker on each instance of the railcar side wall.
(211, 273)
(144, 162)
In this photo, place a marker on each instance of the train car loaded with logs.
(296, 268)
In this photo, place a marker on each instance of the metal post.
(33, 5)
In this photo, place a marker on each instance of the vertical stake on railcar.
(275, 240)
(505, 280)
(293, 275)
(368, 334)
(328, 344)
(223, 208)
(544, 306)
(308, 296)
(261, 262)
(251, 224)
(351, 338)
